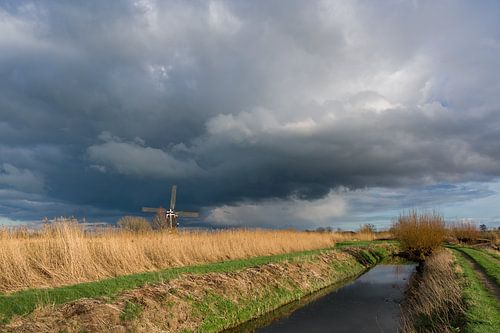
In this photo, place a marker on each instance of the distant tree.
(320, 229)
(160, 220)
(134, 223)
(483, 227)
(367, 228)
(329, 229)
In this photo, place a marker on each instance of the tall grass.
(434, 302)
(63, 253)
(420, 233)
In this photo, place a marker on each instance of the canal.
(370, 303)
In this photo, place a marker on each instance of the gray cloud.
(22, 179)
(133, 158)
(244, 103)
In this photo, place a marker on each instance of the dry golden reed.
(434, 302)
(62, 253)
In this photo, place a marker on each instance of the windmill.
(170, 214)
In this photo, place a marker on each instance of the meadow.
(63, 253)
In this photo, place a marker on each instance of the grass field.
(62, 253)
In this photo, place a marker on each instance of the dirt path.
(487, 282)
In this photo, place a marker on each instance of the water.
(367, 304)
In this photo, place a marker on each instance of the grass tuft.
(131, 311)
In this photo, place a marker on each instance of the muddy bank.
(204, 303)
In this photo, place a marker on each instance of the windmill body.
(170, 214)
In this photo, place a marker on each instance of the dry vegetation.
(63, 253)
(134, 224)
(420, 233)
(198, 302)
(464, 231)
(434, 300)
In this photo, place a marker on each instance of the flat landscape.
(211, 281)
(228, 166)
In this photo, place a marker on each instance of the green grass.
(482, 309)
(131, 311)
(492, 254)
(219, 312)
(489, 263)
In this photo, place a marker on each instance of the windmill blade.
(188, 214)
(173, 197)
(149, 210)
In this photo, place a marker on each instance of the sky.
(278, 114)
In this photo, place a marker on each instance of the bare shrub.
(420, 233)
(433, 302)
(134, 224)
(494, 237)
(160, 221)
(367, 228)
(465, 231)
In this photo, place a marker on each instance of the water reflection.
(368, 304)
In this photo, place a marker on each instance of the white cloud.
(221, 19)
(291, 212)
(133, 158)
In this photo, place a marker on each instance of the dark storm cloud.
(104, 104)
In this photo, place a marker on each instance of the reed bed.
(63, 253)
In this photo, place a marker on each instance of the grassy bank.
(486, 260)
(481, 309)
(449, 297)
(204, 298)
(24, 302)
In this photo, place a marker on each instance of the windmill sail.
(149, 210)
(188, 214)
(173, 197)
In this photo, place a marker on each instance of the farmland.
(61, 277)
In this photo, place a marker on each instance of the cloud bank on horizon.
(265, 113)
